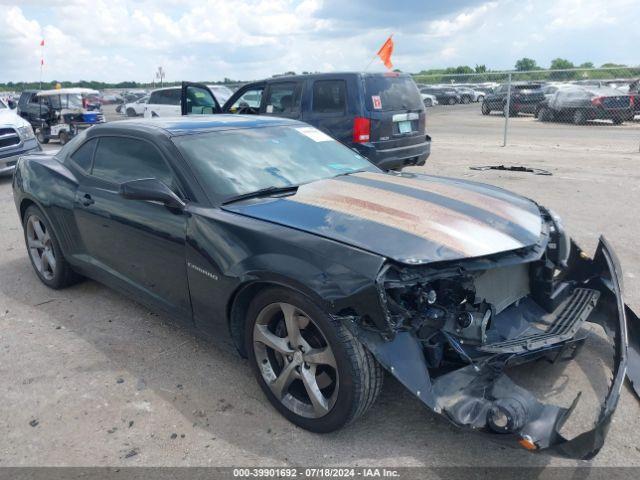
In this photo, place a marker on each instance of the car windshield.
(391, 93)
(240, 161)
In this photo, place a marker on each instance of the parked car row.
(454, 94)
(575, 102)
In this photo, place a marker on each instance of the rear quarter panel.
(44, 181)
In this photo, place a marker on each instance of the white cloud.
(117, 40)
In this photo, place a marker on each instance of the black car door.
(282, 99)
(197, 99)
(135, 244)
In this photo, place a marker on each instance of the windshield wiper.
(263, 192)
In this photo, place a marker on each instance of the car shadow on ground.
(213, 389)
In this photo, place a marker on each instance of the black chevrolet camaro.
(326, 271)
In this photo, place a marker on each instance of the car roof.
(281, 78)
(175, 126)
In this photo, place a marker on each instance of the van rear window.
(386, 93)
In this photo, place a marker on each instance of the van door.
(327, 110)
(282, 99)
(197, 99)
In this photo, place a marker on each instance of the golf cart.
(63, 113)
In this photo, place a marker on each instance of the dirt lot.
(92, 378)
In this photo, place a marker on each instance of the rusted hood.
(409, 218)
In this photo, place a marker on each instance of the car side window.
(166, 97)
(83, 156)
(249, 99)
(283, 98)
(34, 99)
(329, 96)
(118, 160)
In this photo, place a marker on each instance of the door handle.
(86, 200)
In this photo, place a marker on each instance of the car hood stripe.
(519, 211)
(409, 214)
(511, 227)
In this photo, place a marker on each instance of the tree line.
(528, 69)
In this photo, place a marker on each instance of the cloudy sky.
(115, 40)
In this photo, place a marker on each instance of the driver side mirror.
(151, 189)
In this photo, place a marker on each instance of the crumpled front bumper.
(471, 396)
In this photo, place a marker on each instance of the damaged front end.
(456, 331)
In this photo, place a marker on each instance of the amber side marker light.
(527, 443)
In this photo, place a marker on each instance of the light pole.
(160, 74)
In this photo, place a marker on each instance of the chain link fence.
(577, 108)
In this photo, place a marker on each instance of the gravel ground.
(92, 378)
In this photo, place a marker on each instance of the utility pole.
(160, 74)
(507, 111)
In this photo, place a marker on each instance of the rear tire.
(131, 112)
(579, 117)
(480, 98)
(44, 251)
(343, 392)
(428, 102)
(452, 101)
(485, 108)
(511, 113)
(465, 100)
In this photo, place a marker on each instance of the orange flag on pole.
(385, 52)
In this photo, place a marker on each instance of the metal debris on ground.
(513, 168)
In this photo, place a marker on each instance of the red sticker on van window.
(377, 103)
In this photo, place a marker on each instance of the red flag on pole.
(41, 61)
(42, 42)
(385, 53)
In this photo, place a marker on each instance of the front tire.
(63, 137)
(452, 101)
(308, 364)
(131, 112)
(485, 108)
(44, 251)
(41, 137)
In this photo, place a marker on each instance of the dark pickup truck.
(525, 98)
